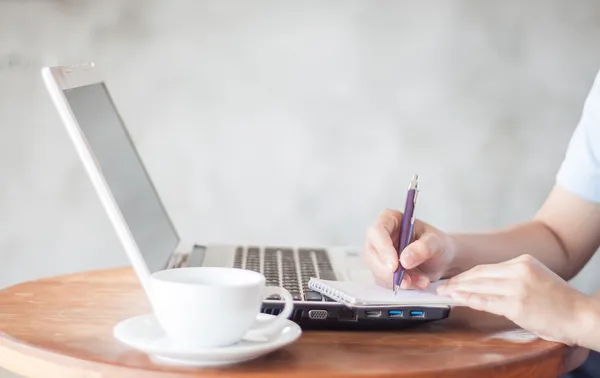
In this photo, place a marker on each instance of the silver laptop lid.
(125, 174)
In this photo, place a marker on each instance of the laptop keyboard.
(288, 268)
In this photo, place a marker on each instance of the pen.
(406, 228)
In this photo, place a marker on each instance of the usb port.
(417, 314)
(395, 313)
(372, 314)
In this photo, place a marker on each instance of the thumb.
(428, 246)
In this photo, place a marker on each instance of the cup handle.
(273, 326)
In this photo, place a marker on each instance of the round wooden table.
(62, 327)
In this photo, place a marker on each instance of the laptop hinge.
(180, 257)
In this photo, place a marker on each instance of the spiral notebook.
(356, 294)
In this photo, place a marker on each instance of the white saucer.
(145, 334)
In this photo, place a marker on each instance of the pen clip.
(416, 196)
(412, 219)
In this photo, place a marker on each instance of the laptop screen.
(124, 173)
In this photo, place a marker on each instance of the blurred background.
(292, 122)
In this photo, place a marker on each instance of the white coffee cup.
(213, 307)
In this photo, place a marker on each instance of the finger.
(414, 279)
(372, 257)
(520, 259)
(410, 281)
(483, 286)
(393, 214)
(381, 269)
(384, 277)
(425, 248)
(486, 271)
(407, 282)
(380, 237)
(389, 223)
(386, 283)
(494, 304)
(390, 220)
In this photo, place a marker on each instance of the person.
(520, 271)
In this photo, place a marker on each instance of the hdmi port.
(372, 314)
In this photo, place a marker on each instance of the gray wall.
(292, 122)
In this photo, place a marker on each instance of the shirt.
(579, 172)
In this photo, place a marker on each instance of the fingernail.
(404, 284)
(391, 266)
(407, 258)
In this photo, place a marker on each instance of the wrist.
(452, 250)
(586, 322)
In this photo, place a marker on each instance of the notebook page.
(357, 293)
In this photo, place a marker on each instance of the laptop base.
(340, 317)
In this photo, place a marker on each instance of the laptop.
(151, 241)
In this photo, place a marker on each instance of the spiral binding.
(332, 293)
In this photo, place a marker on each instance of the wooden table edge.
(15, 354)
(23, 359)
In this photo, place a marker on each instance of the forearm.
(534, 238)
(563, 236)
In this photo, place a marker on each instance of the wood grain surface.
(62, 327)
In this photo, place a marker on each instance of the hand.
(525, 291)
(426, 259)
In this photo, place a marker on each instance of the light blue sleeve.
(579, 172)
